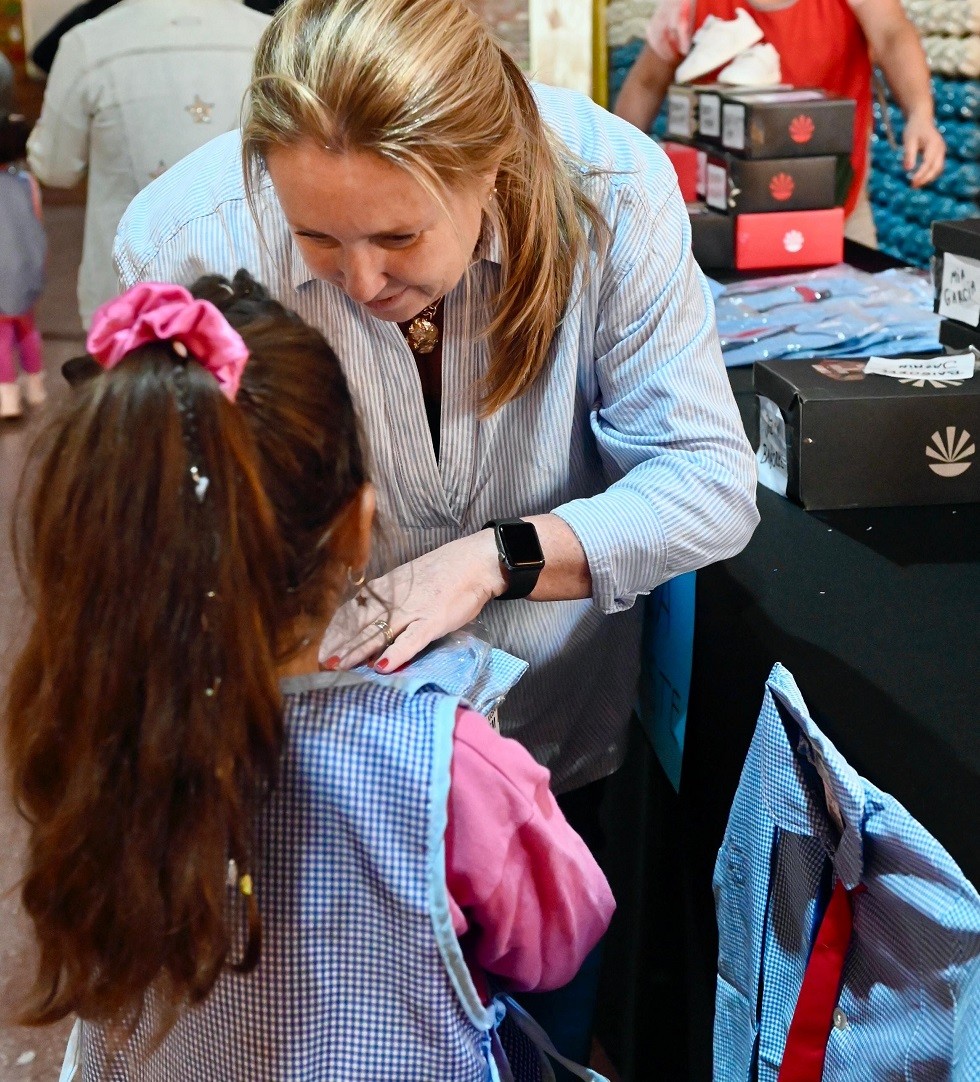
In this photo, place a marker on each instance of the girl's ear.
(353, 530)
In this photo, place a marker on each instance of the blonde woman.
(505, 271)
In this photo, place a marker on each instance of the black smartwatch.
(520, 555)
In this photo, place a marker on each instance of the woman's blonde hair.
(423, 84)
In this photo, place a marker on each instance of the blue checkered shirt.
(909, 1006)
(632, 437)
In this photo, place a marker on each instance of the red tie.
(806, 1044)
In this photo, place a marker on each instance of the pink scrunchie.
(157, 312)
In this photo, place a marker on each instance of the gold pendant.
(423, 335)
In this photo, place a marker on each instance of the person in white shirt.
(130, 93)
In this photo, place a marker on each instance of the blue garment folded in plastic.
(835, 312)
(462, 664)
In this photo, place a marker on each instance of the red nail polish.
(382, 664)
(331, 662)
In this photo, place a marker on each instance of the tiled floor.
(30, 1055)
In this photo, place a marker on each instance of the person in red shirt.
(821, 43)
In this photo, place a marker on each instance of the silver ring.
(385, 628)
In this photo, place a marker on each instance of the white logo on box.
(952, 453)
(793, 241)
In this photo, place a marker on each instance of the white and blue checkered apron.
(361, 978)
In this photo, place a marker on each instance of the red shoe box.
(742, 186)
(804, 238)
(786, 123)
(684, 159)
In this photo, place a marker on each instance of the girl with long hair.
(239, 866)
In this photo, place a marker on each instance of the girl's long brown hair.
(143, 719)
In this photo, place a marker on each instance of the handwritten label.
(959, 295)
(955, 366)
(771, 456)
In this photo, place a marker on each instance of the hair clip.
(179, 348)
(243, 883)
(200, 483)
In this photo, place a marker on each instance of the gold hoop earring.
(358, 581)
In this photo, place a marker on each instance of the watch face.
(520, 541)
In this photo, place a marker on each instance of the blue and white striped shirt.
(632, 435)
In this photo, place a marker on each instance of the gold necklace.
(423, 334)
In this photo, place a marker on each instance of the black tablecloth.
(876, 613)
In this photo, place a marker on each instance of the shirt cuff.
(622, 567)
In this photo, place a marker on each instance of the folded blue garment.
(462, 664)
(835, 312)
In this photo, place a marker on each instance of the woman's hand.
(416, 603)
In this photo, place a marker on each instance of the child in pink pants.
(22, 258)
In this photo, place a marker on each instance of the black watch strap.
(520, 555)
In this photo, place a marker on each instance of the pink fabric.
(156, 312)
(526, 896)
(20, 333)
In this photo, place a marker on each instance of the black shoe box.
(790, 123)
(857, 440)
(957, 279)
(697, 109)
(712, 237)
(742, 186)
(957, 337)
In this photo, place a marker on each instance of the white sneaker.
(716, 42)
(757, 66)
(10, 400)
(34, 390)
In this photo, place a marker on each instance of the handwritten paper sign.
(959, 295)
(955, 366)
(771, 456)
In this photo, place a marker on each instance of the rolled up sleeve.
(665, 421)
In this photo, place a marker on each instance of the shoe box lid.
(783, 123)
(956, 270)
(793, 238)
(750, 186)
(836, 437)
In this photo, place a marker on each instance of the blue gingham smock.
(631, 436)
(361, 977)
(909, 1006)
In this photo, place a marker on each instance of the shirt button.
(840, 1019)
